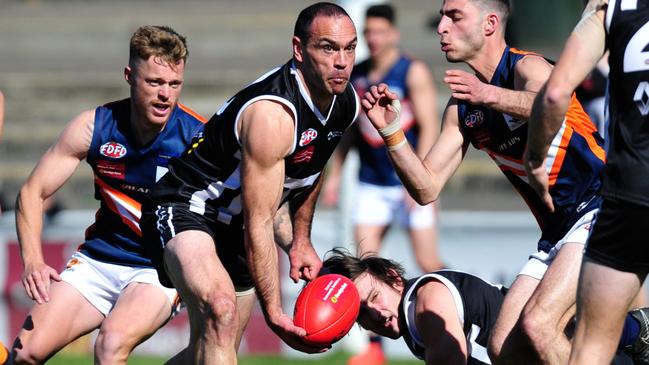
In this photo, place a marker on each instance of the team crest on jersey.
(474, 119)
(308, 136)
(112, 150)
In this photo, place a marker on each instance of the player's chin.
(392, 334)
(388, 332)
(453, 57)
(337, 87)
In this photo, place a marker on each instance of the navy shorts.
(161, 223)
(620, 237)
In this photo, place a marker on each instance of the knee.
(26, 355)
(112, 345)
(220, 313)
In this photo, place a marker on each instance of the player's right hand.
(377, 104)
(293, 335)
(36, 280)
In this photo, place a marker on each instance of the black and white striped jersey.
(627, 165)
(476, 300)
(207, 175)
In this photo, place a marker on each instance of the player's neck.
(144, 131)
(487, 59)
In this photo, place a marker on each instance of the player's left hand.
(305, 262)
(539, 180)
(467, 87)
(292, 335)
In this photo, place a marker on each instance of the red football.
(327, 308)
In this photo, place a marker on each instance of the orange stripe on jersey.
(127, 200)
(518, 51)
(577, 119)
(506, 158)
(130, 201)
(192, 113)
(518, 172)
(561, 155)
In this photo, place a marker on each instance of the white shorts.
(102, 283)
(382, 205)
(538, 262)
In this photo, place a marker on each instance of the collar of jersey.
(307, 97)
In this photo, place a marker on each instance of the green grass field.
(334, 359)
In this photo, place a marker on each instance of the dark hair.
(341, 262)
(303, 23)
(157, 41)
(500, 6)
(385, 11)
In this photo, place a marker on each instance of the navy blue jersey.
(124, 172)
(574, 164)
(375, 165)
(477, 303)
(627, 168)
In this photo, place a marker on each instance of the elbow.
(556, 95)
(425, 196)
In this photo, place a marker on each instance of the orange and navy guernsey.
(124, 172)
(574, 164)
(375, 165)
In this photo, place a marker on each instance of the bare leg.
(245, 303)
(52, 325)
(604, 296)
(546, 314)
(369, 238)
(424, 245)
(503, 346)
(206, 288)
(140, 310)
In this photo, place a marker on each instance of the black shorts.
(620, 237)
(158, 228)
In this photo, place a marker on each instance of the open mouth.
(388, 321)
(161, 108)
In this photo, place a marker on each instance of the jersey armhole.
(276, 98)
(98, 126)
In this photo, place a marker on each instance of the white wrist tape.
(395, 125)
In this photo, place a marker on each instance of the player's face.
(155, 88)
(380, 35)
(328, 57)
(379, 306)
(460, 30)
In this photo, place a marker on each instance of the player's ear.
(298, 49)
(128, 75)
(398, 280)
(492, 22)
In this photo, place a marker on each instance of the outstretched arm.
(531, 72)
(424, 179)
(262, 179)
(582, 51)
(51, 172)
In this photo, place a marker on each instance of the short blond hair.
(158, 41)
